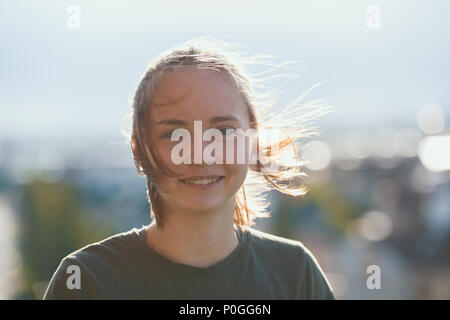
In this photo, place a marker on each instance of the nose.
(205, 153)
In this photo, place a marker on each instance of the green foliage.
(52, 225)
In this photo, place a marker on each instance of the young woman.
(200, 244)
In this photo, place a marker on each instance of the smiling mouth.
(203, 181)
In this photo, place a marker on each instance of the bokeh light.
(406, 142)
(317, 155)
(384, 143)
(375, 226)
(434, 153)
(431, 119)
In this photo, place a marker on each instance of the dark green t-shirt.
(124, 266)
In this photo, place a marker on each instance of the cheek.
(237, 151)
(165, 153)
(237, 173)
(168, 184)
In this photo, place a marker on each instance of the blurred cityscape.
(376, 198)
(379, 173)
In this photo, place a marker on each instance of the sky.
(58, 82)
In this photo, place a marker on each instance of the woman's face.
(181, 97)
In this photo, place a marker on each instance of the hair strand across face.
(281, 154)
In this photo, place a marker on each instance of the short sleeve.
(316, 284)
(59, 287)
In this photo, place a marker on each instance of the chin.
(204, 206)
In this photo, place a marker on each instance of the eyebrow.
(182, 122)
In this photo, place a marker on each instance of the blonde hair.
(281, 153)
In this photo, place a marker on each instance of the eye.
(225, 129)
(167, 135)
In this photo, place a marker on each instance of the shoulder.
(95, 262)
(273, 245)
(292, 260)
(106, 250)
(289, 255)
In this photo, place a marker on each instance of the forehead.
(196, 94)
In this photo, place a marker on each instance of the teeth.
(203, 181)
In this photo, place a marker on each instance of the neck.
(199, 240)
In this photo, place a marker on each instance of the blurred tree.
(323, 206)
(338, 211)
(52, 225)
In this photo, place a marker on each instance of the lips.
(201, 177)
(202, 181)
